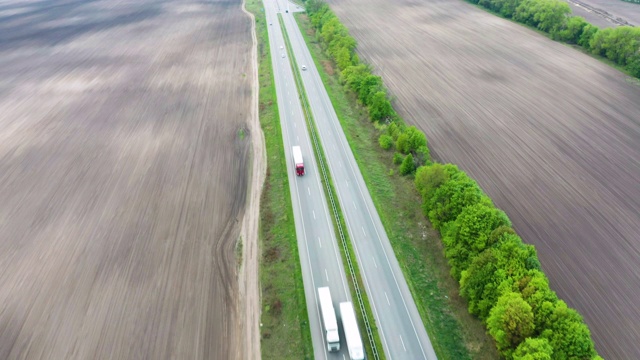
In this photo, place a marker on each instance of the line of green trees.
(499, 275)
(620, 45)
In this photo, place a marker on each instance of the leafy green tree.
(572, 31)
(451, 198)
(525, 12)
(508, 7)
(417, 138)
(469, 234)
(380, 107)
(353, 76)
(317, 10)
(587, 34)
(370, 85)
(386, 141)
(500, 231)
(407, 167)
(342, 57)
(568, 334)
(551, 15)
(314, 6)
(510, 322)
(601, 41)
(633, 65)
(429, 178)
(617, 44)
(534, 349)
(423, 155)
(535, 290)
(508, 259)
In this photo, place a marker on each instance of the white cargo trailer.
(351, 331)
(329, 319)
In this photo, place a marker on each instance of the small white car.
(281, 47)
(283, 55)
(304, 67)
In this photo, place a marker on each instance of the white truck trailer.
(297, 160)
(351, 331)
(329, 319)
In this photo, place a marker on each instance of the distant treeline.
(620, 44)
(633, 1)
(499, 275)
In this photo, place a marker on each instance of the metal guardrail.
(334, 208)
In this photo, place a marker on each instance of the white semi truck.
(329, 319)
(351, 331)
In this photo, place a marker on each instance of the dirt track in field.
(125, 143)
(550, 133)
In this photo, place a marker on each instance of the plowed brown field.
(550, 133)
(124, 158)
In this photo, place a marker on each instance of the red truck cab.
(297, 160)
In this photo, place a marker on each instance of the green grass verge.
(454, 333)
(339, 222)
(284, 328)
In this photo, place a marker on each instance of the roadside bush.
(417, 138)
(407, 167)
(385, 141)
(423, 155)
(402, 143)
(394, 130)
(398, 158)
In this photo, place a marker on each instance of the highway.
(318, 248)
(399, 323)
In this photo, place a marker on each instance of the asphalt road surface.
(318, 248)
(399, 323)
(123, 180)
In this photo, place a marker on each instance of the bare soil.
(126, 133)
(551, 134)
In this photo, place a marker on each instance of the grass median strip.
(285, 332)
(365, 316)
(454, 333)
